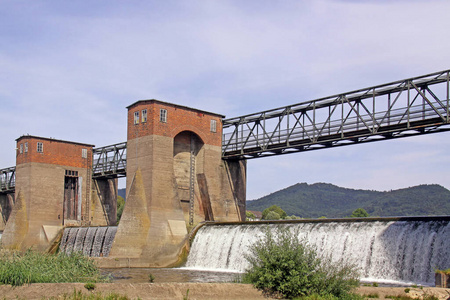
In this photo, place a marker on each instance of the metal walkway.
(403, 108)
(110, 161)
(7, 180)
(409, 107)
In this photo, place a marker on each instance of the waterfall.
(384, 250)
(91, 241)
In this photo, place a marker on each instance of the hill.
(322, 199)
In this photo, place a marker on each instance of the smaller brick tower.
(52, 189)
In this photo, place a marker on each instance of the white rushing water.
(91, 241)
(385, 251)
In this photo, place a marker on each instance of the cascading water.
(405, 251)
(91, 241)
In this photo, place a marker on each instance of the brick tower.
(52, 190)
(176, 179)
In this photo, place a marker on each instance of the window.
(21, 148)
(136, 117)
(26, 147)
(213, 125)
(163, 115)
(70, 173)
(144, 115)
(40, 147)
(84, 153)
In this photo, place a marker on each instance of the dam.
(388, 250)
(185, 166)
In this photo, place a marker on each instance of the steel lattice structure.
(110, 161)
(7, 180)
(402, 108)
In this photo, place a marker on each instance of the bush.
(283, 265)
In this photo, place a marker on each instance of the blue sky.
(68, 69)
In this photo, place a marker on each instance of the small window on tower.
(213, 126)
(163, 115)
(21, 148)
(136, 117)
(144, 115)
(84, 153)
(40, 147)
(26, 147)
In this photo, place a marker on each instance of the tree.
(359, 213)
(272, 215)
(250, 216)
(274, 208)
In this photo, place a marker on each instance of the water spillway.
(91, 241)
(406, 250)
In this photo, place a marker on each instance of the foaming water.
(385, 251)
(91, 241)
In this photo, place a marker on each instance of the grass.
(78, 295)
(32, 267)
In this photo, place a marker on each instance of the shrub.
(151, 277)
(283, 264)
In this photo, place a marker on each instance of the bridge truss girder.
(403, 108)
(110, 161)
(7, 180)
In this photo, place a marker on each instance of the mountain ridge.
(325, 199)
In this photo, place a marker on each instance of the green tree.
(274, 208)
(283, 264)
(120, 206)
(359, 213)
(272, 215)
(250, 216)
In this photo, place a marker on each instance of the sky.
(69, 69)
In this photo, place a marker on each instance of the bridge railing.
(412, 106)
(7, 180)
(110, 161)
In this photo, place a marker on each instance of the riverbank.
(198, 291)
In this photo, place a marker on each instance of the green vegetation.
(78, 295)
(359, 213)
(372, 296)
(273, 212)
(250, 216)
(30, 267)
(89, 286)
(283, 265)
(120, 206)
(446, 272)
(151, 278)
(321, 199)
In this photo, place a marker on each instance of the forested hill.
(322, 199)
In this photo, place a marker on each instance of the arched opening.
(188, 160)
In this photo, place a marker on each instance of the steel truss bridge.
(414, 106)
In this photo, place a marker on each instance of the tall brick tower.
(52, 190)
(176, 178)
